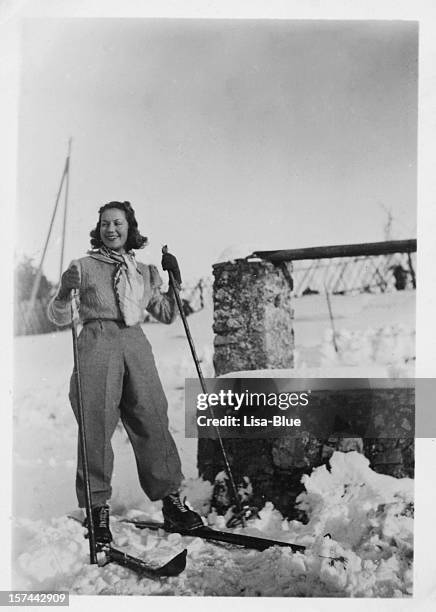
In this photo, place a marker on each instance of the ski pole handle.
(169, 263)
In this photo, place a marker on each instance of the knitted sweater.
(97, 298)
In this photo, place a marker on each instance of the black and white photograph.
(200, 203)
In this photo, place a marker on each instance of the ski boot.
(177, 515)
(100, 518)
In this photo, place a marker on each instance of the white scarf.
(128, 283)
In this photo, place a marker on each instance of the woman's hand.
(70, 280)
(169, 263)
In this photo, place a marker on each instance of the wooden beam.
(342, 250)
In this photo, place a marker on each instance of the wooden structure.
(373, 267)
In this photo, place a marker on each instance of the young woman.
(118, 373)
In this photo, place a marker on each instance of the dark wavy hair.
(135, 240)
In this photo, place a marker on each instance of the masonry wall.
(253, 325)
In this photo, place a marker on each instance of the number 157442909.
(35, 598)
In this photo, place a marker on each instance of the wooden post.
(64, 227)
(412, 271)
(332, 322)
(37, 280)
(200, 286)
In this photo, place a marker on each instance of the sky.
(271, 134)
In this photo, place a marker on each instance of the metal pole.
(82, 440)
(204, 389)
(64, 227)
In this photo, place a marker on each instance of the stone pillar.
(253, 316)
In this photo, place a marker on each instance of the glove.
(169, 263)
(70, 280)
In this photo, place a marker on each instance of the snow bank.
(359, 543)
(391, 347)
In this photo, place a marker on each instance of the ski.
(108, 554)
(173, 567)
(214, 535)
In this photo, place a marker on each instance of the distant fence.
(375, 267)
(348, 276)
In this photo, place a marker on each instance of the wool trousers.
(119, 379)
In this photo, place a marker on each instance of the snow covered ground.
(369, 552)
(369, 516)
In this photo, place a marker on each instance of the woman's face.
(114, 229)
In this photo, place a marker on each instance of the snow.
(368, 552)
(369, 516)
(237, 251)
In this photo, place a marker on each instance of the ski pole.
(173, 284)
(82, 438)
